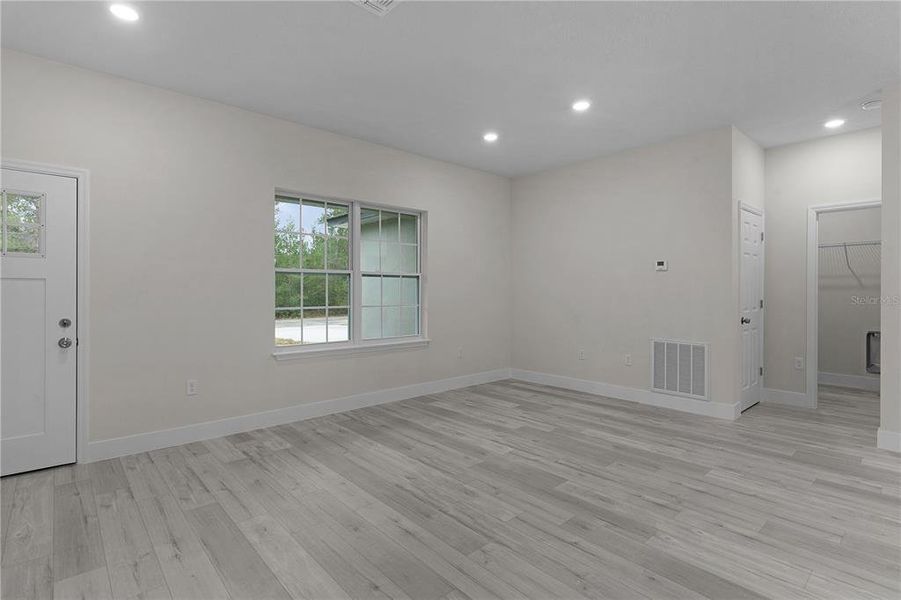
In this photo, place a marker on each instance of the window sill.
(295, 353)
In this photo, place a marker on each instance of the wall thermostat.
(661, 265)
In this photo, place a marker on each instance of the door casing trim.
(82, 286)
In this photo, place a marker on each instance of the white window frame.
(357, 345)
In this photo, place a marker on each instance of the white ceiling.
(431, 77)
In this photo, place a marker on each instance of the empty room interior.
(390, 299)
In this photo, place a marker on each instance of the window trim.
(357, 345)
(349, 349)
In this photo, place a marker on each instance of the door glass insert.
(22, 223)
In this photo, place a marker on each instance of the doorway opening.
(843, 303)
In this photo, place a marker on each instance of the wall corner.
(890, 392)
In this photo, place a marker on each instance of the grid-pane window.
(312, 271)
(390, 258)
(325, 250)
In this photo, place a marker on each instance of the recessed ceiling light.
(490, 136)
(124, 12)
(871, 105)
(581, 105)
(834, 123)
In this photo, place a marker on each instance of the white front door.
(751, 317)
(37, 321)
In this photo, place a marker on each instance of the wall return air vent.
(376, 7)
(679, 368)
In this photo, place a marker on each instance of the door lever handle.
(745, 321)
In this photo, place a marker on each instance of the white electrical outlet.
(581, 355)
(799, 363)
(191, 388)
(628, 360)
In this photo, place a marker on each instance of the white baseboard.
(691, 405)
(869, 383)
(888, 440)
(786, 398)
(154, 440)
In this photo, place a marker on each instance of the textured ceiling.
(431, 77)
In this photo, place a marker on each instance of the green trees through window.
(20, 230)
(315, 272)
(312, 271)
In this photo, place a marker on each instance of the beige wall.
(836, 169)
(844, 319)
(748, 180)
(585, 238)
(181, 246)
(891, 261)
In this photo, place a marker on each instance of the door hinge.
(761, 303)
(761, 370)
(761, 236)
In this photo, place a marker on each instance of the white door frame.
(82, 283)
(760, 213)
(813, 277)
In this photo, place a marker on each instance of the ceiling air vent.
(376, 7)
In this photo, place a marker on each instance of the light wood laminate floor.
(505, 490)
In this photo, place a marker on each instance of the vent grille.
(376, 7)
(679, 368)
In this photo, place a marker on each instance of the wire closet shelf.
(856, 258)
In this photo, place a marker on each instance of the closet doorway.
(843, 300)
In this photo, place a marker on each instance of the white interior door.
(751, 308)
(37, 321)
